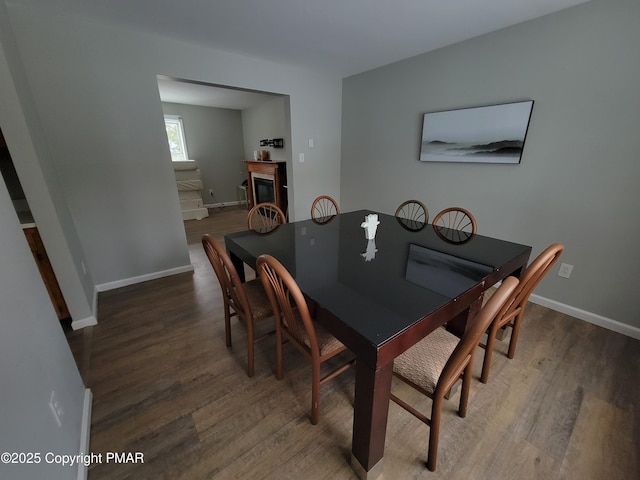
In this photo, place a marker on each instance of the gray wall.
(34, 361)
(215, 141)
(34, 355)
(577, 183)
(32, 159)
(267, 120)
(95, 94)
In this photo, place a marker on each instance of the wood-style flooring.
(165, 384)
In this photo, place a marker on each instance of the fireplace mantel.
(262, 172)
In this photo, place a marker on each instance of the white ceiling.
(341, 37)
(190, 93)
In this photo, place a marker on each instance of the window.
(175, 136)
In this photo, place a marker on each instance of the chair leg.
(227, 324)
(315, 391)
(250, 347)
(488, 352)
(278, 353)
(466, 386)
(514, 334)
(434, 431)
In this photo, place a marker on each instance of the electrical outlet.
(211, 192)
(56, 408)
(301, 157)
(565, 270)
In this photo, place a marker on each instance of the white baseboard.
(94, 303)
(85, 322)
(125, 282)
(608, 323)
(224, 204)
(85, 432)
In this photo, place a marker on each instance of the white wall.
(577, 183)
(95, 91)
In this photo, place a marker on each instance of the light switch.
(301, 157)
(311, 143)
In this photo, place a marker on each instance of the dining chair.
(295, 325)
(413, 210)
(248, 301)
(512, 312)
(455, 225)
(436, 363)
(323, 209)
(456, 218)
(265, 217)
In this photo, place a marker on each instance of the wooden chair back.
(512, 312)
(323, 209)
(288, 303)
(265, 217)
(413, 210)
(456, 218)
(232, 292)
(247, 301)
(439, 360)
(530, 279)
(295, 324)
(471, 337)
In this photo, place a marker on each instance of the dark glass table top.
(382, 287)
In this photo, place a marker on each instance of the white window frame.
(175, 121)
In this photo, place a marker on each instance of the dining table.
(383, 294)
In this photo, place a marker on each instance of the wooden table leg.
(458, 324)
(239, 264)
(370, 418)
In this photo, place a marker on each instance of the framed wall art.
(489, 134)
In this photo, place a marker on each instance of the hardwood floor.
(165, 384)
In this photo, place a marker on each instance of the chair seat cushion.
(327, 343)
(423, 363)
(258, 299)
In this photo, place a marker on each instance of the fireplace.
(263, 188)
(267, 183)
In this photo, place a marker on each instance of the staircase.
(189, 187)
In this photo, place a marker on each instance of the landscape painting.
(490, 134)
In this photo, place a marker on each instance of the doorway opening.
(30, 229)
(223, 127)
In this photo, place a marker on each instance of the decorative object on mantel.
(370, 225)
(275, 143)
(490, 134)
(264, 155)
(370, 253)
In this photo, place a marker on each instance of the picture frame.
(487, 134)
